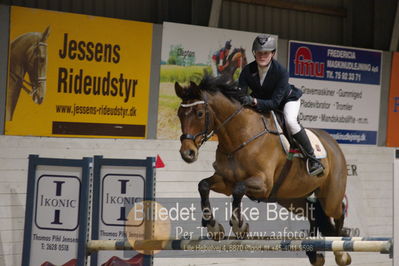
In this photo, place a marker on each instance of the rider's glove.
(247, 100)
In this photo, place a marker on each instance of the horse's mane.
(223, 84)
(26, 39)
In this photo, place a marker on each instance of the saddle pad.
(319, 150)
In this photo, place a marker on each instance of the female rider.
(268, 81)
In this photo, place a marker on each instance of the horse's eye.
(200, 114)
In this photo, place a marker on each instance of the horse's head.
(238, 57)
(37, 66)
(205, 110)
(194, 118)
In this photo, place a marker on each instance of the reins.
(245, 143)
(22, 81)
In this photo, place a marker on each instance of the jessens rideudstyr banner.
(77, 75)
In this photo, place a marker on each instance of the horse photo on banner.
(190, 52)
(28, 55)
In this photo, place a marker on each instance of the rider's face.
(263, 58)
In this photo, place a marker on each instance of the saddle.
(288, 143)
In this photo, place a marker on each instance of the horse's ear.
(195, 89)
(45, 34)
(193, 85)
(179, 90)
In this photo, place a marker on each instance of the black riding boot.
(314, 165)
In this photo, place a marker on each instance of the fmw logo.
(304, 65)
(57, 202)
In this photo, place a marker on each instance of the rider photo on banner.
(76, 75)
(341, 89)
(190, 52)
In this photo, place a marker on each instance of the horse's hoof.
(241, 232)
(319, 260)
(204, 222)
(216, 232)
(342, 258)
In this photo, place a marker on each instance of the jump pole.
(384, 247)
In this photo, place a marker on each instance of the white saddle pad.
(319, 150)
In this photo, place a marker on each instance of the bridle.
(36, 82)
(207, 133)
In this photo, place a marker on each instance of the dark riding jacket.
(275, 91)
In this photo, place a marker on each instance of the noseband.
(205, 134)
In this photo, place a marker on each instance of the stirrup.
(316, 172)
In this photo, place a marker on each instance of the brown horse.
(249, 163)
(237, 59)
(28, 54)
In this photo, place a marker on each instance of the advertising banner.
(77, 75)
(341, 89)
(120, 187)
(393, 105)
(56, 211)
(188, 53)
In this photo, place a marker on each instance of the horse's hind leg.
(339, 224)
(328, 228)
(341, 258)
(215, 182)
(316, 259)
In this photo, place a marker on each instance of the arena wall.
(369, 191)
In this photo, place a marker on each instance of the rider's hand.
(247, 100)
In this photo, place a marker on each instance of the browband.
(191, 104)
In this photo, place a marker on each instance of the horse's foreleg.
(240, 228)
(215, 230)
(255, 188)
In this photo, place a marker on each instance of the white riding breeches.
(291, 110)
(214, 69)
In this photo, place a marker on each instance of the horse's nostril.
(189, 155)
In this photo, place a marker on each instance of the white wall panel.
(369, 190)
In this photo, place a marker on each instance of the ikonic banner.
(189, 52)
(77, 75)
(341, 89)
(56, 211)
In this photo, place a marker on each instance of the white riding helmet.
(264, 42)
